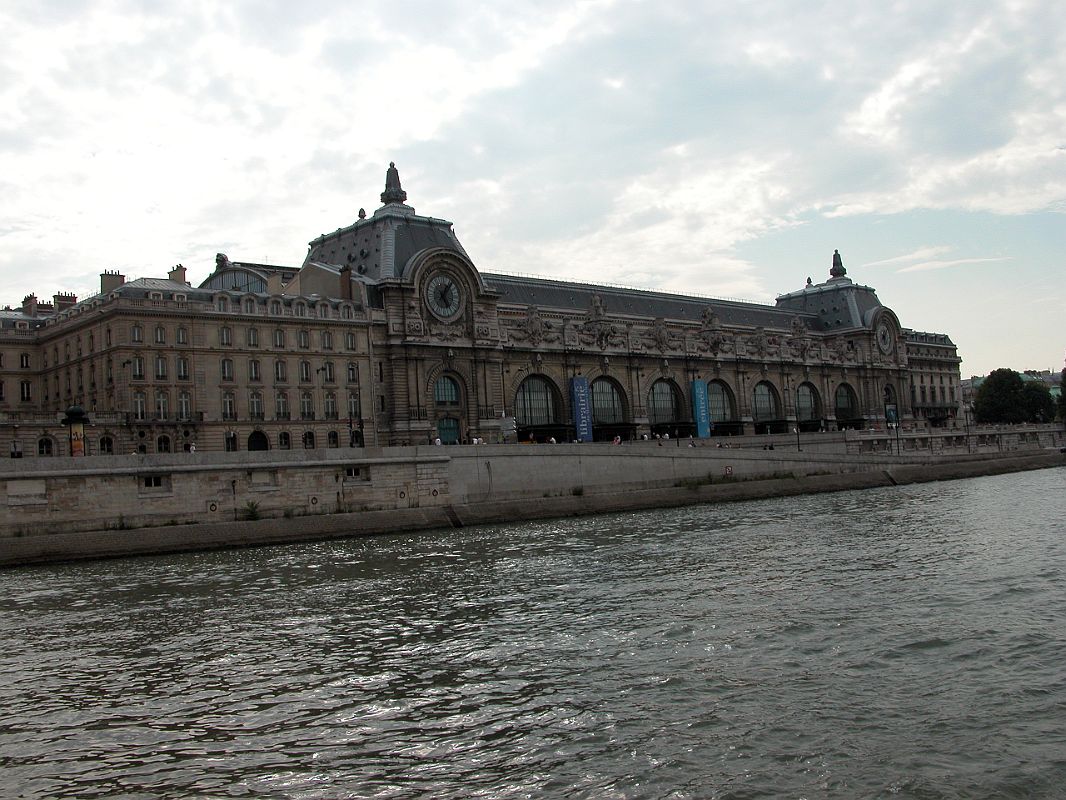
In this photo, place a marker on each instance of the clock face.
(442, 295)
(884, 338)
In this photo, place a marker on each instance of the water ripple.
(899, 642)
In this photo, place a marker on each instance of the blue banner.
(580, 402)
(700, 409)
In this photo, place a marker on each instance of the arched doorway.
(766, 409)
(536, 410)
(847, 408)
(609, 412)
(257, 440)
(664, 410)
(808, 408)
(448, 430)
(723, 411)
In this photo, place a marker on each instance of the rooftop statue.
(838, 270)
(393, 193)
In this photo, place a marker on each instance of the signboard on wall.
(700, 411)
(581, 403)
(77, 439)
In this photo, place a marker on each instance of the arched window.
(332, 440)
(107, 445)
(663, 403)
(45, 447)
(807, 403)
(309, 440)
(720, 402)
(890, 393)
(446, 391)
(257, 441)
(535, 402)
(162, 444)
(607, 404)
(284, 441)
(765, 408)
(847, 404)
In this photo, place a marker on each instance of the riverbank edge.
(51, 548)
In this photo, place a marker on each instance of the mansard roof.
(839, 303)
(546, 293)
(381, 246)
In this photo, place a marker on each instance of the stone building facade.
(388, 334)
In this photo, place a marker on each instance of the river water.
(899, 642)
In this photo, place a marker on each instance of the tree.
(998, 398)
(1062, 396)
(1037, 403)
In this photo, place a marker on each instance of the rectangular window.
(280, 373)
(183, 368)
(225, 336)
(24, 391)
(136, 334)
(253, 370)
(253, 337)
(227, 369)
(137, 363)
(279, 338)
(183, 336)
(160, 368)
(229, 407)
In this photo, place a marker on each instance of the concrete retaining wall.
(19, 547)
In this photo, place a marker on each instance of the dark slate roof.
(838, 303)
(563, 295)
(381, 246)
(922, 337)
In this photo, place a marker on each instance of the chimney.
(63, 301)
(29, 305)
(178, 274)
(274, 284)
(346, 282)
(111, 280)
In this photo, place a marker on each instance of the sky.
(721, 149)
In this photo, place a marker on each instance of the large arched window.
(607, 404)
(663, 403)
(720, 402)
(535, 402)
(847, 406)
(446, 391)
(766, 406)
(807, 409)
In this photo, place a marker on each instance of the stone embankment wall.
(60, 509)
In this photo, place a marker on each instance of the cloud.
(931, 265)
(916, 255)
